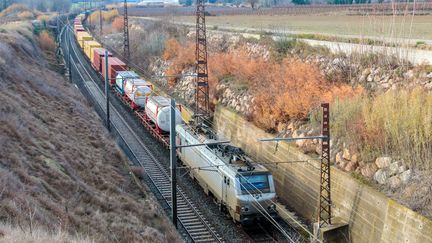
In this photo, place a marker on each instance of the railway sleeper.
(191, 221)
(202, 230)
(192, 227)
(205, 240)
(200, 235)
(192, 215)
(185, 213)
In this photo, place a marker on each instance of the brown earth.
(59, 169)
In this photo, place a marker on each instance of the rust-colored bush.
(46, 41)
(283, 90)
(118, 23)
(181, 57)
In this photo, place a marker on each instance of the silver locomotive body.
(242, 189)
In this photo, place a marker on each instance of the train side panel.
(209, 176)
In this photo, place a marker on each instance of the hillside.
(62, 178)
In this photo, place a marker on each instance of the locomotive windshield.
(254, 183)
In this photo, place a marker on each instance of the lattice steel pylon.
(324, 216)
(202, 87)
(126, 51)
(100, 22)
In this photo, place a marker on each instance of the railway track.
(191, 219)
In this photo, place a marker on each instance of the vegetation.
(46, 41)
(14, 10)
(40, 5)
(295, 86)
(118, 24)
(395, 123)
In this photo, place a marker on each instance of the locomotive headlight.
(244, 209)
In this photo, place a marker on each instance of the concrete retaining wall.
(372, 216)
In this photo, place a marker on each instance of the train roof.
(127, 74)
(160, 100)
(233, 158)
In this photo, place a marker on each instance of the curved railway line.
(191, 219)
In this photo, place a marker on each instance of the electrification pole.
(69, 61)
(173, 160)
(89, 14)
(126, 51)
(100, 22)
(107, 92)
(202, 87)
(324, 217)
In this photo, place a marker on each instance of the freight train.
(244, 190)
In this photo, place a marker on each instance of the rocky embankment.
(375, 74)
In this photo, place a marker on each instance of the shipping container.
(158, 109)
(78, 29)
(114, 65)
(98, 55)
(83, 36)
(89, 46)
(121, 78)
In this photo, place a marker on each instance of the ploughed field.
(417, 27)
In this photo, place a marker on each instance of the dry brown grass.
(11, 234)
(59, 169)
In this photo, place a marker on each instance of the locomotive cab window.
(254, 183)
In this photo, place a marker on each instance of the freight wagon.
(83, 36)
(89, 46)
(114, 65)
(98, 56)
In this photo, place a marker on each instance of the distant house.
(154, 3)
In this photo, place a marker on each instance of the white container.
(137, 90)
(158, 110)
(121, 78)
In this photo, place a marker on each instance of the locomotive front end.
(255, 197)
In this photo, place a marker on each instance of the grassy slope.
(58, 167)
(379, 26)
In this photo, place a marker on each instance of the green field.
(355, 26)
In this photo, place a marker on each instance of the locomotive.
(243, 189)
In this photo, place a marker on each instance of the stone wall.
(372, 216)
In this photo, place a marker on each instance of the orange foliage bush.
(118, 23)
(181, 57)
(283, 90)
(46, 41)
